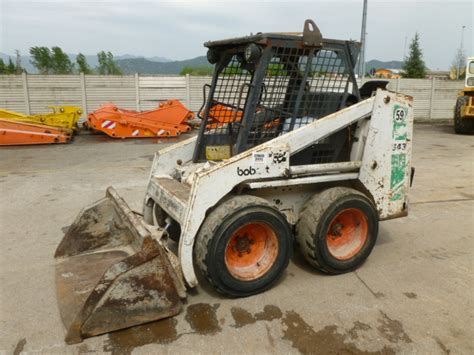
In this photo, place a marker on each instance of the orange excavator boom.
(21, 133)
(168, 120)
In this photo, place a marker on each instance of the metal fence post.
(398, 84)
(26, 93)
(83, 93)
(188, 90)
(433, 85)
(137, 92)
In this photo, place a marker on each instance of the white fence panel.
(444, 98)
(11, 93)
(154, 89)
(104, 89)
(47, 90)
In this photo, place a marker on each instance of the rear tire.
(462, 125)
(243, 246)
(337, 230)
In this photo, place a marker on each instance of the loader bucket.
(113, 273)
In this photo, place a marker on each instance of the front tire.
(243, 246)
(462, 125)
(337, 230)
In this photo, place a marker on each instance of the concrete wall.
(434, 99)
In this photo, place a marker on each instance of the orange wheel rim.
(347, 233)
(251, 251)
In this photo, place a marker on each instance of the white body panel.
(384, 121)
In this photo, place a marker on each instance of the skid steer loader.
(301, 156)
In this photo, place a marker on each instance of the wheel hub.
(242, 244)
(251, 251)
(347, 233)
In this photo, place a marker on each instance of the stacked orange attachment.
(21, 133)
(168, 120)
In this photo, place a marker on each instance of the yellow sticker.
(218, 152)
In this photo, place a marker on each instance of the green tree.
(41, 59)
(61, 64)
(458, 66)
(82, 64)
(10, 67)
(102, 57)
(414, 66)
(107, 65)
(3, 68)
(112, 66)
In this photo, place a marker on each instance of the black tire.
(466, 125)
(219, 231)
(318, 219)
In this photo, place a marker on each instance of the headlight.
(470, 81)
(213, 56)
(252, 53)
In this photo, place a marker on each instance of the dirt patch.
(442, 346)
(20, 346)
(358, 327)
(392, 329)
(269, 313)
(325, 341)
(202, 318)
(242, 317)
(125, 341)
(410, 295)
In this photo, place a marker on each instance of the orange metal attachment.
(168, 120)
(21, 133)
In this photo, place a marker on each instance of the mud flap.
(113, 273)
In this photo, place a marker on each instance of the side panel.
(386, 161)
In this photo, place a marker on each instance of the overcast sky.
(177, 29)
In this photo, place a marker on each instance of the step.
(171, 195)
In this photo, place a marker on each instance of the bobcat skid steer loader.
(297, 153)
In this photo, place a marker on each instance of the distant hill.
(131, 64)
(146, 66)
(91, 60)
(377, 64)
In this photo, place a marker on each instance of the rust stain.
(325, 341)
(242, 317)
(410, 294)
(125, 341)
(20, 346)
(202, 318)
(392, 329)
(269, 313)
(358, 326)
(442, 346)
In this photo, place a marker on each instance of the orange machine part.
(168, 120)
(220, 114)
(20, 133)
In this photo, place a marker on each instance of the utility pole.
(362, 40)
